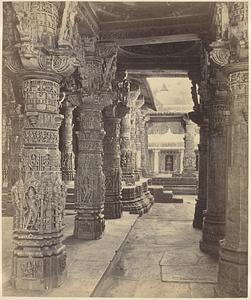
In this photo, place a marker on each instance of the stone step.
(70, 205)
(183, 190)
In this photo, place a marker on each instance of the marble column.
(39, 258)
(147, 169)
(233, 262)
(156, 161)
(214, 223)
(189, 160)
(127, 139)
(143, 143)
(98, 71)
(201, 201)
(89, 178)
(133, 133)
(139, 140)
(125, 148)
(67, 154)
(112, 115)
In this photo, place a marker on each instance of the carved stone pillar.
(67, 154)
(156, 161)
(125, 148)
(189, 160)
(89, 179)
(133, 133)
(127, 139)
(147, 168)
(96, 75)
(233, 262)
(39, 258)
(139, 140)
(214, 223)
(143, 143)
(112, 115)
(201, 202)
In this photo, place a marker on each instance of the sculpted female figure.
(31, 201)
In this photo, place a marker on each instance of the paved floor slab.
(86, 260)
(161, 258)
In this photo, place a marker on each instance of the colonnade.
(49, 68)
(222, 205)
(54, 73)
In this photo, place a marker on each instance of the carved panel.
(41, 95)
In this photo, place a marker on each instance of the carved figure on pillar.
(39, 257)
(112, 115)
(67, 154)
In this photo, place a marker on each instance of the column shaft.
(233, 262)
(189, 160)
(67, 154)
(156, 161)
(201, 201)
(125, 147)
(39, 257)
(90, 179)
(112, 115)
(214, 223)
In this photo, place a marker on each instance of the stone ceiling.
(160, 36)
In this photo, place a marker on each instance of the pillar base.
(212, 232)
(210, 248)
(39, 268)
(113, 210)
(136, 200)
(89, 224)
(233, 273)
(128, 178)
(200, 207)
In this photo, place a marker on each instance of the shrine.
(93, 135)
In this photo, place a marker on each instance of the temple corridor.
(125, 148)
(156, 255)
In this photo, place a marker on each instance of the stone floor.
(160, 257)
(86, 260)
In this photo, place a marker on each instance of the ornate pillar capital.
(35, 50)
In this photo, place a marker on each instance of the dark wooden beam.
(158, 39)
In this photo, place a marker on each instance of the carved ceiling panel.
(168, 49)
(123, 11)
